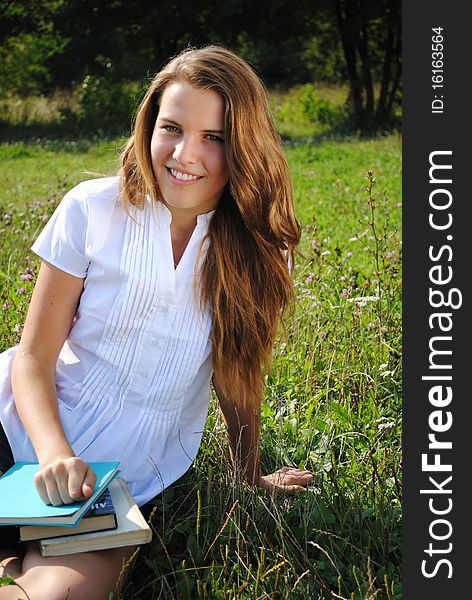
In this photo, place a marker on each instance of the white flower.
(362, 300)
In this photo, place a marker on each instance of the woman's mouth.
(181, 177)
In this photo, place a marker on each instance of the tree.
(27, 41)
(370, 32)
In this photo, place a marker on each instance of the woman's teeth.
(183, 176)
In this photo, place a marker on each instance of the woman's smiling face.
(187, 148)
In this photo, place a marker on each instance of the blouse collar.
(164, 213)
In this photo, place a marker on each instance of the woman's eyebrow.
(172, 122)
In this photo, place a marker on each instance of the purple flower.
(345, 293)
(390, 254)
(5, 306)
(343, 278)
(323, 334)
(28, 277)
(310, 277)
(28, 269)
(314, 244)
(21, 290)
(383, 330)
(349, 253)
(22, 277)
(370, 325)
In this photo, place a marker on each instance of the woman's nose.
(186, 150)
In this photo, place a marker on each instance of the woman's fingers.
(78, 472)
(287, 479)
(290, 475)
(65, 481)
(297, 476)
(47, 488)
(89, 482)
(54, 493)
(41, 488)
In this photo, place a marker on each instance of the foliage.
(315, 108)
(58, 43)
(104, 103)
(332, 402)
(322, 52)
(370, 33)
(23, 61)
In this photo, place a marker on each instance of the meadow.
(332, 397)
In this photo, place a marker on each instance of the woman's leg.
(10, 563)
(88, 575)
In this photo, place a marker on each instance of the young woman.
(152, 285)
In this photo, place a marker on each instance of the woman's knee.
(90, 575)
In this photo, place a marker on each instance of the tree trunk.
(390, 80)
(347, 39)
(398, 72)
(363, 49)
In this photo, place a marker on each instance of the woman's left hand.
(287, 480)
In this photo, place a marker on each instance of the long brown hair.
(245, 277)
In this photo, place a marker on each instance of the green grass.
(332, 398)
(31, 171)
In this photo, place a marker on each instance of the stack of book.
(109, 518)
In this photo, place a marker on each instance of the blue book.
(20, 503)
(99, 517)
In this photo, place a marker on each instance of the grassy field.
(332, 399)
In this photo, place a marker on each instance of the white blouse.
(133, 377)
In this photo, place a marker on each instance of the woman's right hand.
(64, 481)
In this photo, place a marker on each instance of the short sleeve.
(63, 241)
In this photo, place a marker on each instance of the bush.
(316, 109)
(104, 103)
(23, 59)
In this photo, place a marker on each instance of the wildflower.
(21, 290)
(383, 330)
(370, 325)
(349, 253)
(310, 278)
(323, 334)
(384, 423)
(5, 306)
(390, 254)
(28, 269)
(345, 293)
(314, 244)
(17, 328)
(343, 278)
(362, 300)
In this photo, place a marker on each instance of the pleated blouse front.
(133, 376)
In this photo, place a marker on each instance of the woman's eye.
(170, 128)
(214, 138)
